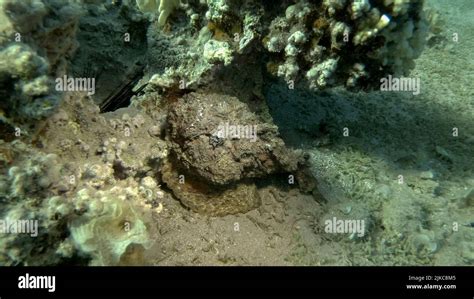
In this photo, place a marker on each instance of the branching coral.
(163, 7)
(350, 43)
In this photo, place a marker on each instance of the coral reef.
(31, 55)
(199, 130)
(96, 225)
(320, 44)
(351, 43)
(42, 23)
(27, 90)
(210, 34)
(27, 194)
(93, 197)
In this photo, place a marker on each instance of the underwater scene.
(236, 132)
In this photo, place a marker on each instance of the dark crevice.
(121, 97)
(120, 172)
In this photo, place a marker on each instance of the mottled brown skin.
(218, 175)
(194, 119)
(207, 199)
